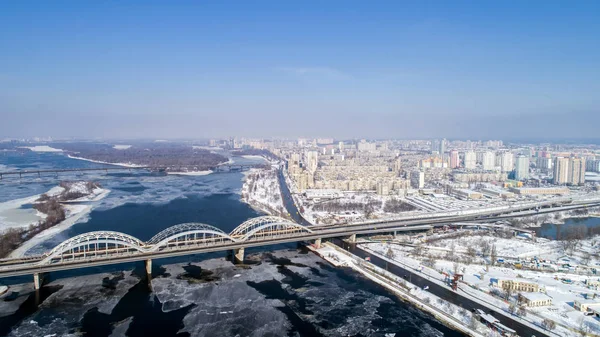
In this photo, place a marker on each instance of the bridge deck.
(30, 265)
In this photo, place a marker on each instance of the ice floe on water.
(280, 293)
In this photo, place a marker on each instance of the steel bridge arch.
(99, 237)
(186, 230)
(266, 225)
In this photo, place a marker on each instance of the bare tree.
(522, 312)
(512, 308)
(508, 292)
(485, 248)
(585, 259)
(493, 255)
(390, 253)
(471, 252)
(418, 250)
(548, 324)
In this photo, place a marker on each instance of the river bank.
(450, 314)
(106, 163)
(21, 215)
(74, 213)
(262, 192)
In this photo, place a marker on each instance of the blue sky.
(346, 69)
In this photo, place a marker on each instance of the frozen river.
(285, 291)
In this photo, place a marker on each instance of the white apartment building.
(506, 161)
(470, 160)
(522, 168)
(488, 161)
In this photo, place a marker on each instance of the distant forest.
(175, 157)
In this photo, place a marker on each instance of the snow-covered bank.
(450, 314)
(74, 214)
(261, 190)
(107, 163)
(251, 156)
(14, 214)
(41, 148)
(191, 173)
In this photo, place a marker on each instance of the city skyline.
(392, 71)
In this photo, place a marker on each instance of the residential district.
(540, 271)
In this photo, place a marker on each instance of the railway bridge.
(109, 247)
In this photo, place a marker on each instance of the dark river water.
(281, 291)
(590, 226)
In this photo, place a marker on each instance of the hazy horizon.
(271, 69)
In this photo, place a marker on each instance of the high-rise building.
(341, 146)
(470, 160)
(522, 168)
(544, 164)
(576, 174)
(312, 161)
(592, 165)
(561, 170)
(507, 162)
(489, 161)
(435, 146)
(397, 165)
(442, 147)
(417, 179)
(454, 162)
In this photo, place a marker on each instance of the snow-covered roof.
(536, 296)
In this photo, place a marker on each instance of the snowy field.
(42, 148)
(465, 255)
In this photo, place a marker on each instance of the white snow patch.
(42, 148)
(191, 173)
(107, 163)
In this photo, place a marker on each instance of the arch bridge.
(186, 236)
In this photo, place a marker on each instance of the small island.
(167, 156)
(54, 208)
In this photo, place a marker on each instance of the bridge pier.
(38, 279)
(239, 255)
(352, 238)
(149, 268)
(318, 243)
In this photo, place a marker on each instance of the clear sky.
(195, 69)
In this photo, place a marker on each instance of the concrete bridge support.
(239, 255)
(318, 243)
(352, 238)
(149, 268)
(38, 279)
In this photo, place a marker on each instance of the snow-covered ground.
(13, 214)
(451, 314)
(42, 148)
(192, 173)
(563, 287)
(103, 162)
(261, 190)
(315, 211)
